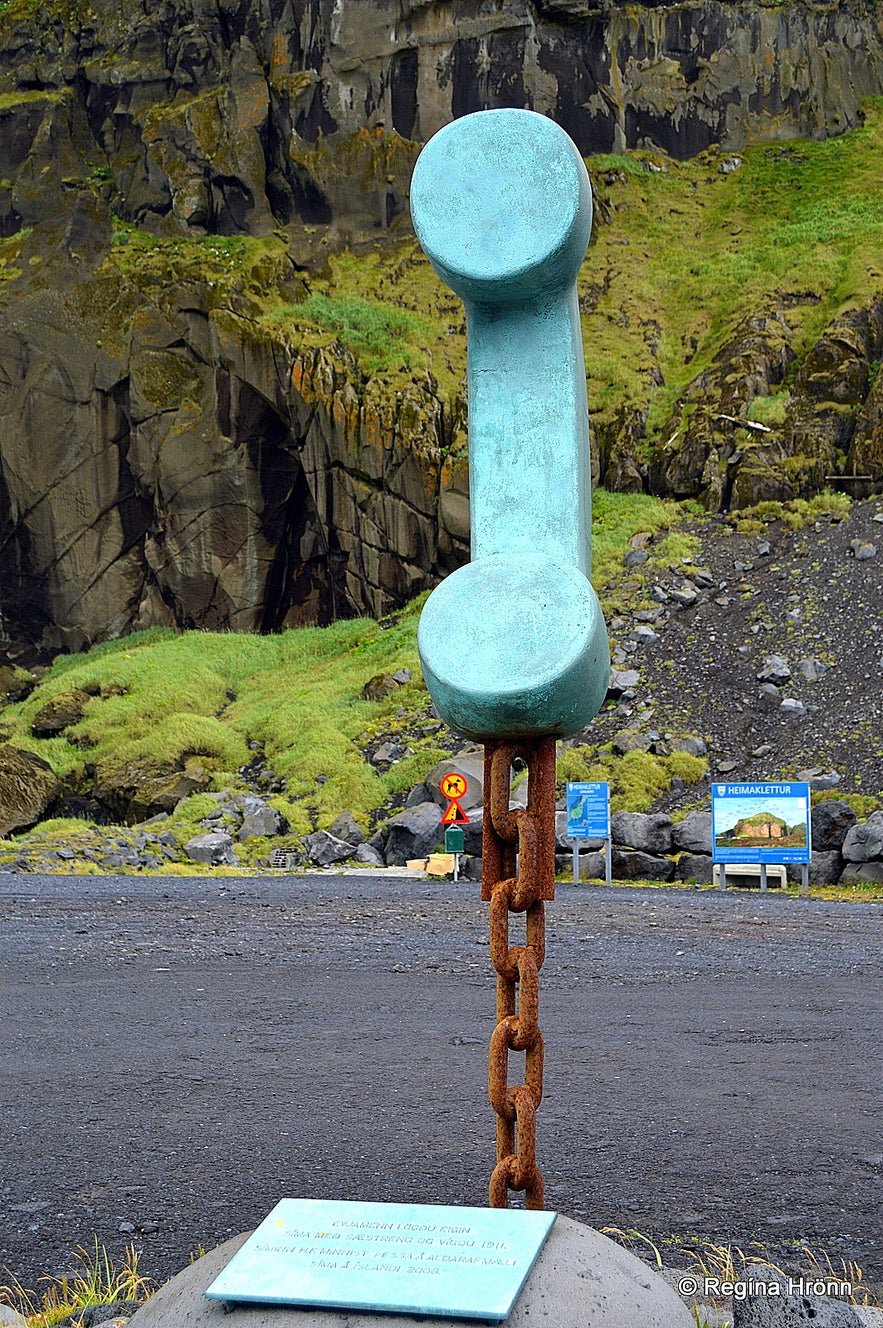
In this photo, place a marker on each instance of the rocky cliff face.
(164, 459)
(237, 116)
(168, 462)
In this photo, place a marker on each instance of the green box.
(454, 840)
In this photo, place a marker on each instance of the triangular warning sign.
(454, 815)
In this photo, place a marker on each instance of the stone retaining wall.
(653, 847)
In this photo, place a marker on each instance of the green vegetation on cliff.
(683, 253)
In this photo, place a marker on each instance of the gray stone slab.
(784, 1310)
(457, 1262)
(580, 1280)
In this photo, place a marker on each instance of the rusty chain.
(518, 874)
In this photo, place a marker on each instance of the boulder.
(685, 595)
(562, 843)
(693, 834)
(641, 867)
(380, 687)
(811, 669)
(413, 833)
(344, 827)
(830, 822)
(861, 873)
(471, 766)
(213, 849)
(365, 853)
(473, 833)
(15, 684)
(775, 670)
(58, 714)
(135, 791)
(388, 752)
(419, 793)
(698, 867)
(635, 558)
(323, 848)
(825, 868)
(864, 840)
(628, 740)
(27, 786)
(592, 867)
(622, 680)
(819, 779)
(689, 743)
(378, 839)
(645, 831)
(262, 821)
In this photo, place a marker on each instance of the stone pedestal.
(580, 1280)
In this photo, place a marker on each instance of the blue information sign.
(760, 823)
(588, 810)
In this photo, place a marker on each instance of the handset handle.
(514, 644)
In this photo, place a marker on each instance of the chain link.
(518, 874)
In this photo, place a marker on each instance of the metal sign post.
(502, 206)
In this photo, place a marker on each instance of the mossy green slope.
(158, 700)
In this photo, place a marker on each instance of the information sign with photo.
(760, 823)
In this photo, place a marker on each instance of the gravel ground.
(177, 1054)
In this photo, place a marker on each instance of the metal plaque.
(463, 1263)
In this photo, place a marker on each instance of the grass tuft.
(97, 1282)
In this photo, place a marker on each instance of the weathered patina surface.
(502, 205)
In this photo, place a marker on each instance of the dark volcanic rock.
(864, 841)
(648, 833)
(698, 867)
(344, 827)
(830, 823)
(825, 868)
(862, 873)
(136, 791)
(325, 848)
(27, 786)
(693, 834)
(413, 833)
(166, 459)
(212, 849)
(642, 867)
(260, 819)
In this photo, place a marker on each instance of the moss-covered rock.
(27, 787)
(60, 713)
(136, 791)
